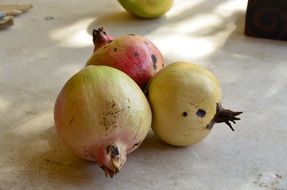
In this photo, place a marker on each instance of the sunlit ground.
(75, 35)
(193, 36)
(4, 104)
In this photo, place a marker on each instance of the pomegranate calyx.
(108, 172)
(224, 115)
(117, 157)
(100, 38)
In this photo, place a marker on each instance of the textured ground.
(51, 42)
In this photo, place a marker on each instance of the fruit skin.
(102, 115)
(147, 8)
(133, 54)
(186, 101)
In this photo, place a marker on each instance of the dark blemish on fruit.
(131, 34)
(146, 42)
(115, 49)
(136, 54)
(52, 161)
(110, 41)
(129, 107)
(201, 113)
(185, 114)
(71, 121)
(135, 145)
(154, 60)
(162, 65)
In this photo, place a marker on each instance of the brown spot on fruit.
(111, 113)
(131, 34)
(71, 121)
(136, 54)
(185, 114)
(115, 49)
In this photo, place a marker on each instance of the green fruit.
(147, 8)
(186, 101)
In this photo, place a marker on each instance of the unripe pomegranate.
(186, 102)
(133, 54)
(102, 115)
(147, 8)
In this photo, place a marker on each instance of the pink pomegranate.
(133, 54)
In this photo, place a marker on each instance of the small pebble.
(49, 18)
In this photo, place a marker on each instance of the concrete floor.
(47, 45)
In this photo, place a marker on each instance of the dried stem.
(100, 38)
(224, 115)
(118, 158)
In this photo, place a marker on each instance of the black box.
(266, 19)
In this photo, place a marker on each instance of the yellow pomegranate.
(186, 102)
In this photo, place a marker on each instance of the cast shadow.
(59, 165)
(121, 22)
(251, 43)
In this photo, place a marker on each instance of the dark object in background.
(266, 19)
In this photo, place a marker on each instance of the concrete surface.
(47, 45)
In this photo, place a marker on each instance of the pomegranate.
(133, 54)
(186, 102)
(102, 115)
(147, 8)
